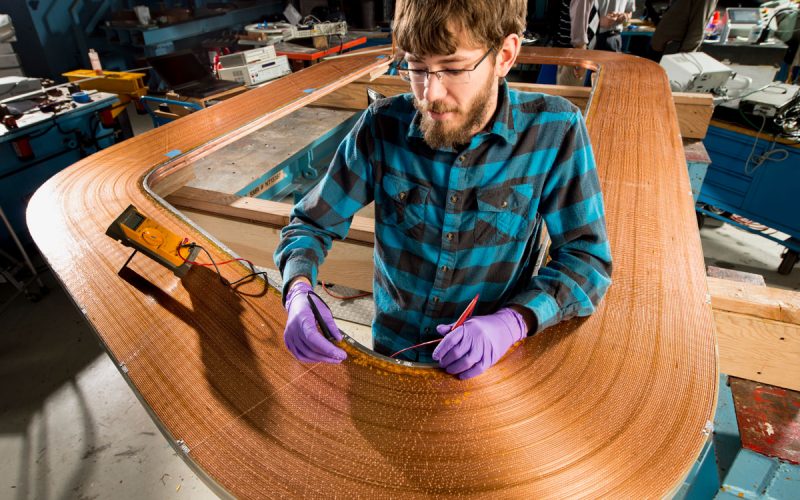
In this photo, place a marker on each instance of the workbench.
(765, 192)
(310, 55)
(208, 100)
(55, 141)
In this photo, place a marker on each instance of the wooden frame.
(694, 110)
(616, 404)
(759, 332)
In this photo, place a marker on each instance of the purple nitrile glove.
(476, 345)
(302, 337)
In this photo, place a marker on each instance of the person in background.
(614, 14)
(584, 21)
(681, 28)
(561, 23)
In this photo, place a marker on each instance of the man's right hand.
(302, 337)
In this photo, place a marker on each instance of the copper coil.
(613, 405)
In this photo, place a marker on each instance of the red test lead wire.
(460, 321)
(207, 264)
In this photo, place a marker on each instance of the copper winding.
(613, 405)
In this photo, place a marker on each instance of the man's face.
(459, 105)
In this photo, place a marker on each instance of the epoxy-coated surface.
(615, 404)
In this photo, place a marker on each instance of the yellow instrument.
(134, 229)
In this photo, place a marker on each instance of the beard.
(442, 134)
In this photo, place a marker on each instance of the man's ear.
(507, 55)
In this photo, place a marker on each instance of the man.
(463, 171)
(613, 16)
(582, 22)
(681, 28)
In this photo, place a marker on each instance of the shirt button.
(454, 198)
(402, 196)
(504, 204)
(450, 236)
(445, 269)
(462, 158)
(436, 300)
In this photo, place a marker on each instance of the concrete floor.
(71, 427)
(729, 247)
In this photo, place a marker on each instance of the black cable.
(249, 276)
(65, 132)
(224, 280)
(192, 246)
(94, 122)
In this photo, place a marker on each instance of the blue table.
(757, 178)
(55, 142)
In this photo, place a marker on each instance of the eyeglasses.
(446, 76)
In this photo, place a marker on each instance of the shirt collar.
(501, 124)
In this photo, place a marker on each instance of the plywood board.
(759, 349)
(754, 300)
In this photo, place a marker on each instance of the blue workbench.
(757, 178)
(727, 471)
(56, 141)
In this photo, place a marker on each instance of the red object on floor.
(768, 418)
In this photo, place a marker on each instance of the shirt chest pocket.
(503, 214)
(405, 205)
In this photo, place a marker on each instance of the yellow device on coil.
(135, 230)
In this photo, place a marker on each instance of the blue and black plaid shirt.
(451, 224)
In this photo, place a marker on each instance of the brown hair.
(429, 27)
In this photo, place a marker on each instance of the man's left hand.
(476, 345)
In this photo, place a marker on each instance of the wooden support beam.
(348, 263)
(269, 213)
(759, 349)
(694, 110)
(758, 331)
(694, 113)
(755, 300)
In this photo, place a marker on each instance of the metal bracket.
(182, 446)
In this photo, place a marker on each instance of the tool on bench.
(134, 229)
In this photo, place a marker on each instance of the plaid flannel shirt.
(451, 224)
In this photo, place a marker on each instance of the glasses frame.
(405, 73)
